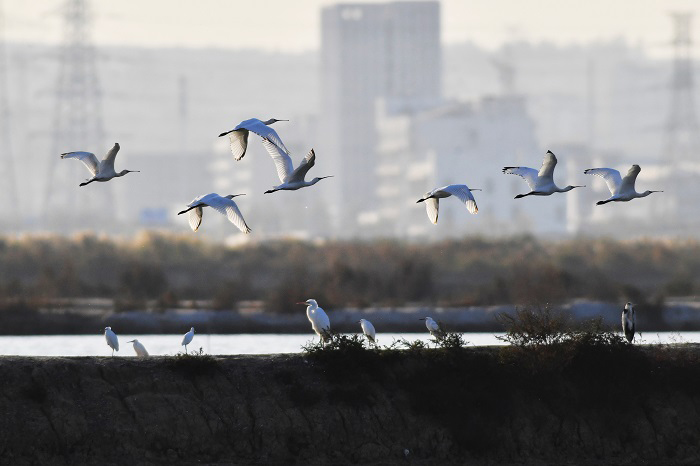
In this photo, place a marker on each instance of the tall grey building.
(389, 51)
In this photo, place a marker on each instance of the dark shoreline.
(87, 318)
(477, 406)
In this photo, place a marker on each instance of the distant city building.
(460, 143)
(369, 51)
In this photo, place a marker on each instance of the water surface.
(95, 345)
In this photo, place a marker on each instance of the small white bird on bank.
(187, 339)
(431, 325)
(628, 321)
(222, 204)
(101, 171)
(112, 339)
(621, 189)
(460, 191)
(291, 178)
(368, 330)
(320, 322)
(541, 183)
(139, 348)
(239, 135)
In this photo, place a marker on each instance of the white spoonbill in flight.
(368, 330)
(101, 171)
(291, 178)
(187, 338)
(541, 183)
(139, 348)
(239, 135)
(432, 326)
(621, 189)
(222, 204)
(628, 321)
(318, 318)
(460, 191)
(112, 339)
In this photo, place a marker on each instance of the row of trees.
(470, 271)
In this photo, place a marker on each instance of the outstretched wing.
(300, 172)
(528, 174)
(432, 207)
(111, 155)
(612, 178)
(264, 131)
(462, 192)
(88, 158)
(227, 207)
(548, 164)
(195, 218)
(283, 162)
(630, 178)
(238, 139)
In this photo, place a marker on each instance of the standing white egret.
(432, 326)
(187, 339)
(101, 171)
(291, 178)
(541, 183)
(139, 348)
(368, 330)
(460, 191)
(628, 321)
(320, 322)
(239, 135)
(621, 189)
(222, 204)
(112, 339)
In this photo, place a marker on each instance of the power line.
(77, 125)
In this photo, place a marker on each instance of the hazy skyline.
(294, 26)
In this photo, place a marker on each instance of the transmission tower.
(682, 141)
(77, 125)
(8, 181)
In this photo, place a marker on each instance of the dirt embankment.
(473, 406)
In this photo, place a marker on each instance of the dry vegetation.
(471, 271)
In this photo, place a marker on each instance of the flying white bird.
(541, 183)
(368, 330)
(112, 339)
(291, 178)
(432, 326)
(621, 189)
(222, 204)
(318, 318)
(139, 348)
(239, 135)
(187, 338)
(628, 321)
(101, 171)
(460, 191)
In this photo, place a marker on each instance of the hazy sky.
(293, 25)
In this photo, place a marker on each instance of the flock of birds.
(139, 348)
(321, 325)
(541, 183)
